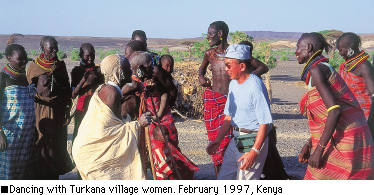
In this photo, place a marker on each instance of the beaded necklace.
(215, 56)
(305, 74)
(353, 63)
(43, 63)
(13, 73)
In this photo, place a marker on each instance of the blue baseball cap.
(237, 51)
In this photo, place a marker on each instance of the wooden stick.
(148, 144)
(141, 146)
(166, 142)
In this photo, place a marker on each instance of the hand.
(67, 117)
(248, 160)
(212, 147)
(304, 154)
(84, 78)
(205, 82)
(145, 119)
(3, 141)
(315, 159)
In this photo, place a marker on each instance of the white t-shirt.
(248, 103)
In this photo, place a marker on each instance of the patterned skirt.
(349, 154)
(161, 157)
(214, 105)
(18, 123)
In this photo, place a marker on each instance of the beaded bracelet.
(333, 107)
(256, 150)
(323, 147)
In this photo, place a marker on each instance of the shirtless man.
(216, 93)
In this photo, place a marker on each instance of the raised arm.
(259, 67)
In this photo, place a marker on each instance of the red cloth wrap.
(214, 105)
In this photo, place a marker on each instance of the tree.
(189, 45)
(331, 36)
(263, 52)
(199, 47)
(237, 37)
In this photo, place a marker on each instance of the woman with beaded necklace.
(52, 108)
(357, 71)
(17, 117)
(340, 137)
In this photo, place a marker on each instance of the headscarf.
(111, 68)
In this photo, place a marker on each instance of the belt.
(235, 128)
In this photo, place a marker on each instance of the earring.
(220, 38)
(139, 73)
(350, 52)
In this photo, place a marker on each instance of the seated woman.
(336, 121)
(17, 118)
(157, 82)
(85, 79)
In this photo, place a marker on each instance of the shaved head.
(316, 40)
(350, 39)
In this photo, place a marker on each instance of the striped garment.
(214, 105)
(350, 152)
(164, 171)
(18, 123)
(358, 87)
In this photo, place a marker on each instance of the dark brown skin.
(320, 75)
(365, 70)
(88, 57)
(220, 78)
(17, 60)
(112, 98)
(157, 133)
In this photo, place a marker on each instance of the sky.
(181, 18)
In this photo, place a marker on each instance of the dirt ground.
(292, 128)
(286, 92)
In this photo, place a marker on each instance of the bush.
(105, 53)
(284, 58)
(199, 48)
(1, 55)
(34, 52)
(75, 55)
(61, 54)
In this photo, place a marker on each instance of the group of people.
(123, 122)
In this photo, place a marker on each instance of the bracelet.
(254, 149)
(333, 107)
(323, 147)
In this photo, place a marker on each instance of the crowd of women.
(37, 99)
